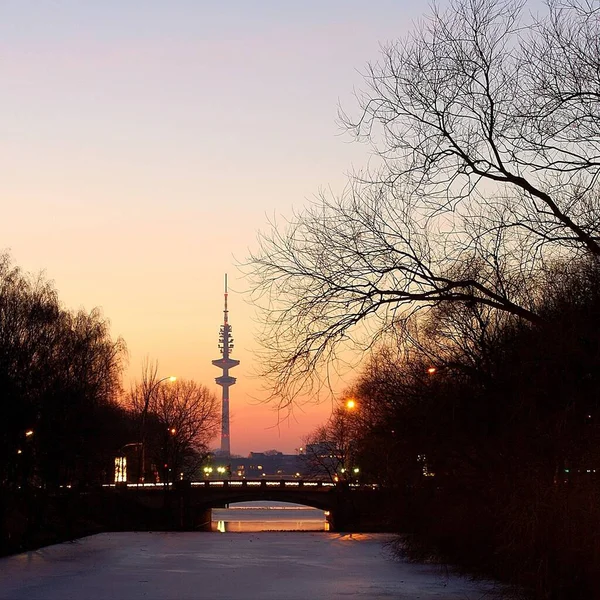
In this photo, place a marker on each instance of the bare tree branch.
(485, 125)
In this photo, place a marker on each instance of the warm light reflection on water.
(268, 516)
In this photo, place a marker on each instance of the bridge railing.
(246, 483)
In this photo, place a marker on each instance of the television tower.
(225, 381)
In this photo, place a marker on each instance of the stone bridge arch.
(327, 502)
(188, 505)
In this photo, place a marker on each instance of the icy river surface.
(242, 559)
(227, 566)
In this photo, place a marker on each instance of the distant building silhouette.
(270, 464)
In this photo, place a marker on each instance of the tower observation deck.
(225, 380)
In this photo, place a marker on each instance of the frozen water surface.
(228, 566)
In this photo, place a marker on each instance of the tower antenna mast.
(225, 380)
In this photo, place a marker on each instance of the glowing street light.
(351, 404)
(431, 370)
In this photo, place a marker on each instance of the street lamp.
(349, 422)
(147, 398)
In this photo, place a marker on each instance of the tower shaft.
(225, 380)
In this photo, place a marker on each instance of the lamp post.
(147, 397)
(170, 459)
(351, 407)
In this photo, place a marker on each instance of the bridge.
(186, 505)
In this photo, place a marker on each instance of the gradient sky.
(144, 144)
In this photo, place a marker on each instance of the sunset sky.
(144, 144)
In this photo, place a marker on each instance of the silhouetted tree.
(486, 427)
(58, 370)
(89, 367)
(486, 165)
(331, 450)
(183, 416)
(189, 415)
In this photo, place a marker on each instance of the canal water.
(244, 559)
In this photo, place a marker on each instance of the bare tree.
(141, 400)
(330, 451)
(481, 103)
(140, 393)
(60, 372)
(189, 417)
(486, 168)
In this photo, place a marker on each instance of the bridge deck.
(247, 483)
